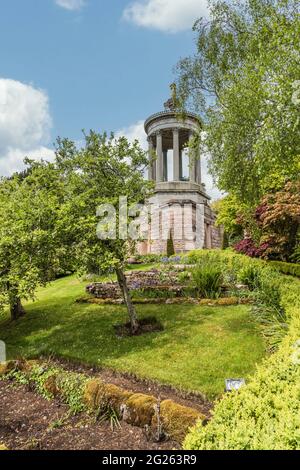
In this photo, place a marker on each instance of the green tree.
(104, 170)
(30, 245)
(244, 82)
(229, 211)
(170, 245)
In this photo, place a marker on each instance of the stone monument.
(181, 208)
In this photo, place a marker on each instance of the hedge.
(265, 414)
(286, 268)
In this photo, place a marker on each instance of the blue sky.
(68, 65)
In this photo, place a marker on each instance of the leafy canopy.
(104, 170)
(30, 244)
(244, 81)
(49, 215)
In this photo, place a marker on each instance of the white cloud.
(166, 15)
(136, 131)
(24, 115)
(70, 4)
(133, 132)
(13, 161)
(210, 187)
(25, 124)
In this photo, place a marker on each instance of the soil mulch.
(29, 422)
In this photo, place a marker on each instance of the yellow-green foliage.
(266, 413)
(140, 409)
(222, 301)
(50, 381)
(180, 300)
(71, 388)
(43, 377)
(3, 447)
(286, 268)
(176, 420)
(19, 365)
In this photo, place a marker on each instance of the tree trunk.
(16, 309)
(130, 307)
(292, 241)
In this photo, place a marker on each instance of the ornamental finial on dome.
(170, 105)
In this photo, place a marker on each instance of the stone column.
(165, 156)
(198, 169)
(200, 226)
(180, 165)
(154, 170)
(208, 233)
(176, 155)
(159, 162)
(150, 169)
(192, 161)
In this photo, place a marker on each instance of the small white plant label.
(234, 384)
(2, 352)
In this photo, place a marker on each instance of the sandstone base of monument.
(183, 215)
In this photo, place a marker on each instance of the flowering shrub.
(248, 247)
(278, 216)
(171, 259)
(273, 229)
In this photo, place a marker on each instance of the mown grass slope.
(199, 347)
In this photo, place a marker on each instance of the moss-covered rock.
(224, 301)
(97, 394)
(140, 409)
(91, 393)
(176, 420)
(29, 365)
(50, 386)
(3, 369)
(8, 366)
(20, 365)
(115, 396)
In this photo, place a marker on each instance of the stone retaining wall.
(137, 280)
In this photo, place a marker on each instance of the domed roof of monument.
(169, 111)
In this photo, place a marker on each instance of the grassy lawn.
(198, 349)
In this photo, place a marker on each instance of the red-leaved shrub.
(248, 247)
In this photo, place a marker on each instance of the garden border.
(82, 393)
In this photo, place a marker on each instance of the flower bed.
(137, 281)
(174, 282)
(165, 419)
